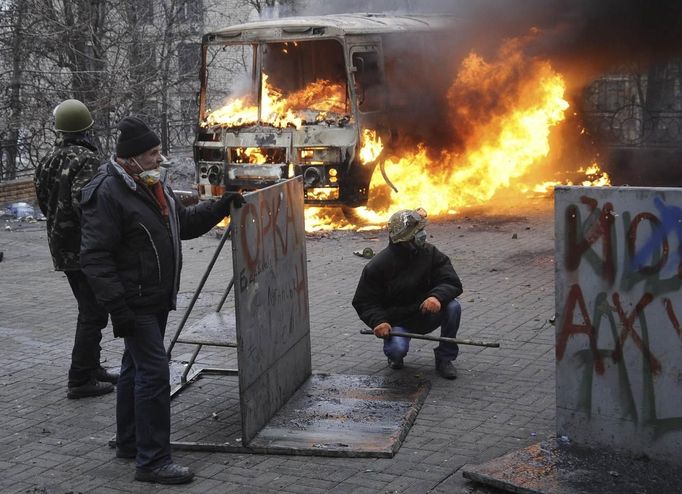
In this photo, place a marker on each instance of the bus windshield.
(301, 83)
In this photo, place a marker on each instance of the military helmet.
(403, 225)
(72, 115)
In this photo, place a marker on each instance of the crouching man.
(410, 287)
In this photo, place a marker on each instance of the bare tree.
(117, 56)
(266, 8)
(15, 18)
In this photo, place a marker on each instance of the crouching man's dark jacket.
(129, 251)
(396, 281)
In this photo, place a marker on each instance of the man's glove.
(234, 199)
(122, 319)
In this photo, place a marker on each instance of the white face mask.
(148, 177)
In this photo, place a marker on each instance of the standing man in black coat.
(132, 225)
(59, 178)
(410, 287)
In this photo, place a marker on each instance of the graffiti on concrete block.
(619, 303)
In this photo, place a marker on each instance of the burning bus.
(317, 97)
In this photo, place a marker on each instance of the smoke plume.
(597, 35)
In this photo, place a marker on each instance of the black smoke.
(583, 40)
(596, 34)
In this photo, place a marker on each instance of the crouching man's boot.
(396, 363)
(446, 369)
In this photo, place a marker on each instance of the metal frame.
(184, 381)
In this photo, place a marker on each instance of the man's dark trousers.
(92, 318)
(143, 394)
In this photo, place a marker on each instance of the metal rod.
(438, 338)
(198, 291)
(188, 367)
(198, 374)
(227, 291)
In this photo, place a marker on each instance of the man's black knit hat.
(135, 138)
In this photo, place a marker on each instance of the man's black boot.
(91, 388)
(101, 374)
(446, 369)
(172, 473)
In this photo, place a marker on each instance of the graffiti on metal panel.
(269, 241)
(272, 250)
(623, 273)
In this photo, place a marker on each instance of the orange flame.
(325, 219)
(320, 96)
(500, 146)
(371, 146)
(234, 114)
(504, 112)
(255, 156)
(593, 177)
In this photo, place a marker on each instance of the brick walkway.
(502, 400)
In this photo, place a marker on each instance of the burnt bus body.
(337, 75)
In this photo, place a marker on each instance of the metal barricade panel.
(271, 300)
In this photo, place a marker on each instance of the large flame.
(499, 150)
(278, 110)
(503, 111)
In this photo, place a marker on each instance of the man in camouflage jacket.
(59, 178)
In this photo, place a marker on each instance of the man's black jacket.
(396, 281)
(129, 252)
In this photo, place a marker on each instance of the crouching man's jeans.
(396, 347)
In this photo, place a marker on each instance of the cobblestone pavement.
(502, 400)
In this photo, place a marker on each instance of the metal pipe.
(197, 292)
(227, 291)
(438, 338)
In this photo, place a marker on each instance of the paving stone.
(317, 484)
(501, 398)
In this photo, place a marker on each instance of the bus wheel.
(352, 216)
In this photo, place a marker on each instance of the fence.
(634, 125)
(21, 151)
